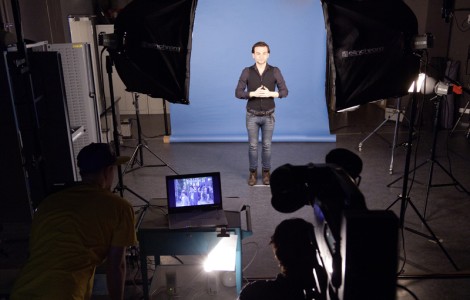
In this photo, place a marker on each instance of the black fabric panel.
(154, 47)
(370, 50)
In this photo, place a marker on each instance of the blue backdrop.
(223, 34)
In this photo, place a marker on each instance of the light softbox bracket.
(370, 50)
(154, 47)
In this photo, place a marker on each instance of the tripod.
(140, 146)
(432, 159)
(405, 198)
(398, 112)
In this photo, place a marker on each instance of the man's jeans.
(253, 125)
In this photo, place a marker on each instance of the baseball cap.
(97, 156)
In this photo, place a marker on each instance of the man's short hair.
(97, 156)
(260, 44)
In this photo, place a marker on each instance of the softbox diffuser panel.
(154, 47)
(370, 50)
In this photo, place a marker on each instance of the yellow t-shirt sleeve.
(124, 234)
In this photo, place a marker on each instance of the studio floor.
(426, 271)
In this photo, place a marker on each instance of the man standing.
(77, 229)
(258, 84)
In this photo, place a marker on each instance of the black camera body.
(357, 248)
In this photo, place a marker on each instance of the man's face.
(261, 55)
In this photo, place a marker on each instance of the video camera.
(357, 247)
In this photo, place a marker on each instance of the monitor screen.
(189, 191)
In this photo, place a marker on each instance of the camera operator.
(294, 246)
(75, 230)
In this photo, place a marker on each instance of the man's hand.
(263, 92)
(260, 92)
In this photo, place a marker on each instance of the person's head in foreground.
(96, 162)
(294, 246)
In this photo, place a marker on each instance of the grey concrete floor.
(426, 271)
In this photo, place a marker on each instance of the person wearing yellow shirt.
(75, 230)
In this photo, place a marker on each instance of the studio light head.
(423, 41)
(443, 88)
(428, 85)
(425, 84)
(108, 40)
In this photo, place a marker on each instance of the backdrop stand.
(404, 196)
(140, 146)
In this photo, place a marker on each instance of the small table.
(156, 239)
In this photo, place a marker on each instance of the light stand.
(138, 149)
(404, 196)
(120, 186)
(396, 112)
(432, 159)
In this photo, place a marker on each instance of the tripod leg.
(133, 159)
(393, 203)
(395, 136)
(437, 112)
(433, 236)
(164, 164)
(430, 185)
(460, 117)
(454, 180)
(141, 216)
(135, 194)
(139, 128)
(140, 147)
(370, 134)
(411, 171)
(428, 188)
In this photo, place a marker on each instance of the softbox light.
(154, 47)
(370, 50)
